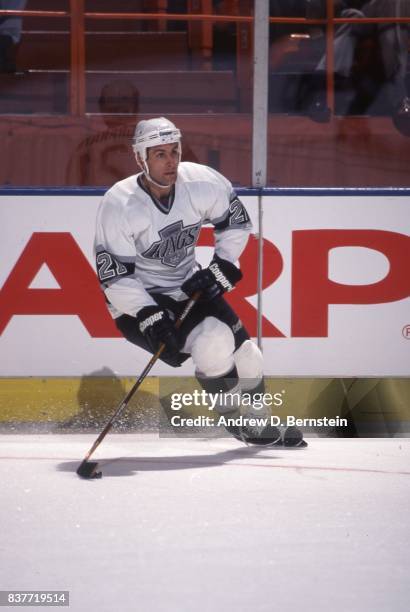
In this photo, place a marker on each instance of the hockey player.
(147, 228)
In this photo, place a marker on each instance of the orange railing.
(78, 16)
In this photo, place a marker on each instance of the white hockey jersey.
(144, 245)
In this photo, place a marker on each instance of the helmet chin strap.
(144, 167)
(151, 180)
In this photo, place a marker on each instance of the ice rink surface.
(187, 525)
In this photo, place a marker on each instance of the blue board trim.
(241, 191)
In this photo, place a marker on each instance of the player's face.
(163, 163)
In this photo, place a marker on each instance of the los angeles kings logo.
(173, 246)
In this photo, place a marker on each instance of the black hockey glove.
(157, 327)
(212, 282)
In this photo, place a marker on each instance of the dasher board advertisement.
(335, 296)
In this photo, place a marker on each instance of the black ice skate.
(293, 438)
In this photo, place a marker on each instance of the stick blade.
(88, 469)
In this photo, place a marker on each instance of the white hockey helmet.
(151, 133)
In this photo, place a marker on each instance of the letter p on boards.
(312, 290)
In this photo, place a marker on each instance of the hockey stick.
(88, 469)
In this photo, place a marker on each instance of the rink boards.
(335, 297)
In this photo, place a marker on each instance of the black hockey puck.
(88, 469)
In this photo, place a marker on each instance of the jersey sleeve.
(230, 219)
(115, 260)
